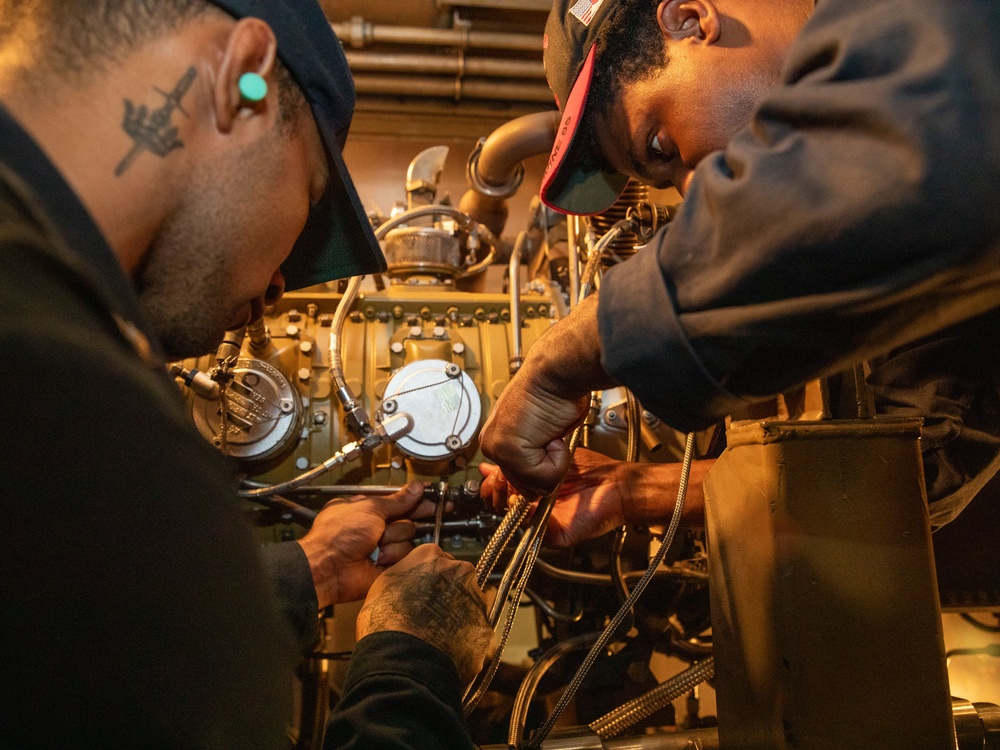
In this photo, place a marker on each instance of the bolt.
(494, 317)
(396, 347)
(611, 416)
(305, 374)
(294, 315)
(438, 332)
(471, 489)
(357, 317)
(453, 442)
(306, 347)
(292, 332)
(466, 321)
(456, 541)
(383, 316)
(286, 405)
(319, 418)
(452, 370)
(396, 463)
(440, 320)
(389, 406)
(301, 462)
(326, 320)
(458, 349)
(416, 332)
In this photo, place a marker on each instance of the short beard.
(182, 285)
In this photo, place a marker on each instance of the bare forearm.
(566, 361)
(649, 492)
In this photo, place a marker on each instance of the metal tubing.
(690, 575)
(513, 142)
(385, 62)
(452, 88)
(703, 739)
(359, 33)
(514, 287)
(573, 250)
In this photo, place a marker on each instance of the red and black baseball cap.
(574, 182)
(338, 240)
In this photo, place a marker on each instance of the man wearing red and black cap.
(839, 175)
(164, 167)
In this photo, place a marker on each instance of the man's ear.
(250, 48)
(689, 19)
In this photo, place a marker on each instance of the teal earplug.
(253, 88)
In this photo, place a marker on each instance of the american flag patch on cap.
(584, 10)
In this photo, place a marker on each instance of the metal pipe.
(510, 144)
(387, 62)
(703, 739)
(456, 89)
(336, 489)
(358, 33)
(494, 170)
(689, 575)
(573, 250)
(514, 283)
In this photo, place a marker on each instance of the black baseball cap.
(338, 240)
(573, 182)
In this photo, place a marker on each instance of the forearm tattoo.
(153, 131)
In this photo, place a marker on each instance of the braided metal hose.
(617, 721)
(471, 701)
(519, 713)
(500, 539)
(612, 628)
(519, 570)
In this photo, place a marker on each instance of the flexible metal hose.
(594, 259)
(336, 459)
(612, 628)
(525, 694)
(500, 539)
(480, 690)
(636, 710)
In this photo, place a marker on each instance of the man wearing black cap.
(158, 162)
(855, 212)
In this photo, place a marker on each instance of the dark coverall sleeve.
(857, 212)
(287, 570)
(401, 694)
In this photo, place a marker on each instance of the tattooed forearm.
(153, 131)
